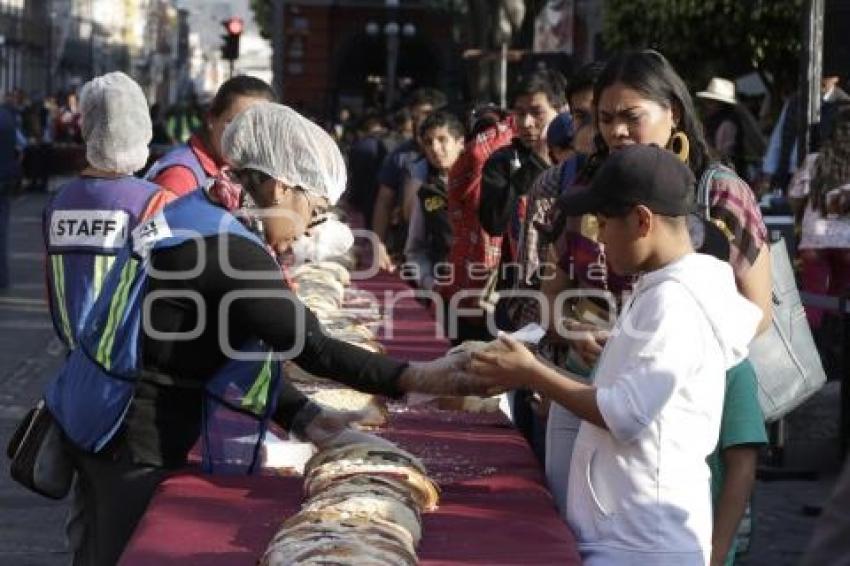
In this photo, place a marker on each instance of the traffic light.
(230, 48)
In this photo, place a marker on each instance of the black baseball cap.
(637, 174)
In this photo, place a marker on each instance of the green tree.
(705, 38)
(263, 16)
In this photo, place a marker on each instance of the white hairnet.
(276, 140)
(116, 123)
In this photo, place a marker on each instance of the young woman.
(188, 166)
(823, 184)
(640, 99)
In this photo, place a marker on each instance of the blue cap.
(560, 132)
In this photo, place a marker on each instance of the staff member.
(190, 165)
(91, 217)
(132, 402)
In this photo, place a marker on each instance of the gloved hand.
(446, 376)
(326, 427)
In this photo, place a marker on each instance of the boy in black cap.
(638, 483)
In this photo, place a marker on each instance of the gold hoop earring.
(680, 146)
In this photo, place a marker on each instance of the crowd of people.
(500, 207)
(639, 401)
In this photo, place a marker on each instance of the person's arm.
(380, 225)
(739, 477)
(496, 194)
(276, 316)
(413, 179)
(644, 383)
(416, 250)
(515, 367)
(733, 204)
(757, 285)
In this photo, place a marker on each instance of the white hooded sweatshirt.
(639, 492)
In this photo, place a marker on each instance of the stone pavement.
(783, 518)
(31, 526)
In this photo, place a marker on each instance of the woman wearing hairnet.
(90, 218)
(291, 168)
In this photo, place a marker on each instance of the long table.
(494, 509)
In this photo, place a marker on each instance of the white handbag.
(786, 361)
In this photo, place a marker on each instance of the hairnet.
(116, 123)
(276, 140)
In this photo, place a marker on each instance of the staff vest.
(181, 156)
(85, 226)
(91, 394)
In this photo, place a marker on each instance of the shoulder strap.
(182, 156)
(704, 189)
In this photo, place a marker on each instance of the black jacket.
(507, 175)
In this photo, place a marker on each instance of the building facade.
(342, 53)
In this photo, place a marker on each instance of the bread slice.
(369, 485)
(341, 273)
(321, 269)
(422, 490)
(333, 536)
(365, 451)
(351, 505)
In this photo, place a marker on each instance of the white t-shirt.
(641, 488)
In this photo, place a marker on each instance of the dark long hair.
(832, 168)
(649, 73)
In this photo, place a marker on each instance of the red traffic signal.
(234, 25)
(230, 48)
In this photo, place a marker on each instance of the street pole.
(392, 31)
(503, 76)
(810, 78)
(392, 62)
(49, 59)
(278, 45)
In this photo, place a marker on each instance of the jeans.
(109, 497)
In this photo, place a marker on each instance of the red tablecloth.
(494, 509)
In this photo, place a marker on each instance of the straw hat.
(721, 90)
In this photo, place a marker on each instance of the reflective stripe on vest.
(117, 310)
(57, 280)
(91, 394)
(85, 225)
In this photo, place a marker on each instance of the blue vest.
(85, 226)
(91, 394)
(179, 156)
